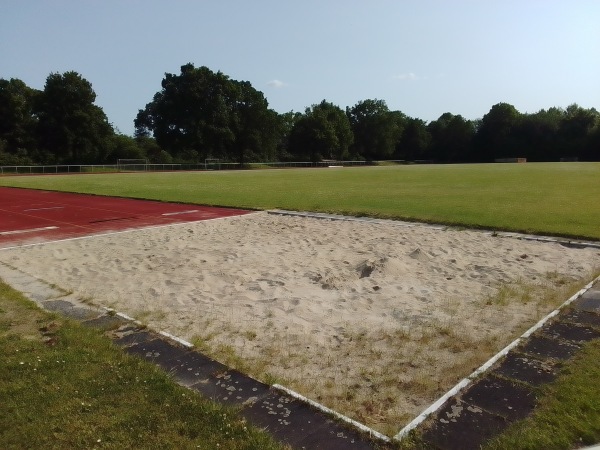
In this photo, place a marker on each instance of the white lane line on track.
(130, 230)
(43, 209)
(180, 212)
(31, 230)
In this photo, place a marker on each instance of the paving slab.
(549, 348)
(231, 388)
(157, 351)
(302, 427)
(582, 317)
(195, 367)
(527, 369)
(68, 309)
(133, 338)
(105, 322)
(570, 332)
(460, 426)
(501, 397)
(590, 303)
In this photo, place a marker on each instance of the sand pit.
(375, 320)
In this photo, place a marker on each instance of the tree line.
(199, 114)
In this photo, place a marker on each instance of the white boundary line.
(180, 212)
(44, 209)
(176, 339)
(30, 230)
(152, 227)
(466, 381)
(325, 409)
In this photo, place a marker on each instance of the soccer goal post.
(132, 165)
(212, 164)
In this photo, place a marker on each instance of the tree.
(17, 119)
(576, 131)
(537, 135)
(256, 128)
(414, 142)
(451, 138)
(496, 135)
(200, 114)
(70, 125)
(287, 122)
(375, 130)
(323, 132)
(124, 147)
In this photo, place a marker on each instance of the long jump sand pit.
(374, 320)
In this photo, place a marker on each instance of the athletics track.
(30, 216)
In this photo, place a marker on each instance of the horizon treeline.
(199, 114)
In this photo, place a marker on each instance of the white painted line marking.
(31, 230)
(466, 381)
(180, 212)
(131, 230)
(176, 339)
(43, 209)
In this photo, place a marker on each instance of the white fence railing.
(103, 168)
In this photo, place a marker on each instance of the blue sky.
(423, 57)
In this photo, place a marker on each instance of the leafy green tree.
(256, 128)
(537, 135)
(414, 142)
(202, 114)
(451, 138)
(576, 132)
(70, 125)
(152, 150)
(323, 132)
(287, 122)
(497, 133)
(17, 119)
(375, 130)
(124, 147)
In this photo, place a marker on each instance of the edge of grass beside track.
(64, 385)
(558, 199)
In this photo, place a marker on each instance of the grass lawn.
(546, 198)
(66, 386)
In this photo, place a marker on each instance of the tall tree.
(375, 130)
(322, 133)
(576, 131)
(451, 138)
(200, 114)
(414, 142)
(71, 126)
(17, 119)
(537, 135)
(256, 127)
(496, 135)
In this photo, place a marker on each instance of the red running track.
(31, 216)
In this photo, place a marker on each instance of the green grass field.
(546, 198)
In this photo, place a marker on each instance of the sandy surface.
(374, 320)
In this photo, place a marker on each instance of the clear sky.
(423, 57)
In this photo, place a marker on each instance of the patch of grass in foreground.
(545, 198)
(568, 415)
(65, 386)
